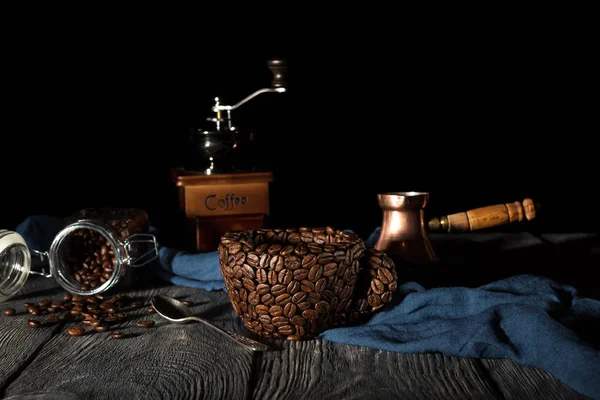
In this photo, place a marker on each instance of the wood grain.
(192, 361)
(488, 217)
(19, 344)
(323, 370)
(519, 382)
(167, 361)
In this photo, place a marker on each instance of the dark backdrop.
(474, 122)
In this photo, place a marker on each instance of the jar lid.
(15, 263)
(9, 238)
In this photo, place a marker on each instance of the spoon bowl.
(175, 311)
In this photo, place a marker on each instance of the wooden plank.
(519, 382)
(323, 370)
(19, 344)
(166, 361)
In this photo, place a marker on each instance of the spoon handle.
(245, 341)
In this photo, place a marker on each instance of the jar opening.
(15, 264)
(86, 258)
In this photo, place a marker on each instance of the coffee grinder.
(221, 188)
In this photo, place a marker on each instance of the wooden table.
(191, 361)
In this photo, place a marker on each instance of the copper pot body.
(403, 236)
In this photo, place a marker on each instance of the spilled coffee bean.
(102, 313)
(76, 331)
(116, 335)
(145, 324)
(9, 312)
(33, 323)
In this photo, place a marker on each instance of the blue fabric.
(192, 270)
(524, 318)
(39, 231)
(529, 319)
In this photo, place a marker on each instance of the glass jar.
(91, 254)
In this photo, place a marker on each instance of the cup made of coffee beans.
(295, 283)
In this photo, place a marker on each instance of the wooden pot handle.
(485, 217)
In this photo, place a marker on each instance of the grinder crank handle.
(279, 69)
(485, 217)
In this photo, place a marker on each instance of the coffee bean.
(292, 263)
(151, 310)
(315, 272)
(276, 290)
(286, 330)
(386, 297)
(261, 309)
(33, 323)
(320, 285)
(277, 263)
(293, 287)
(252, 259)
(322, 307)
(283, 299)
(285, 276)
(262, 276)
(33, 310)
(300, 274)
(279, 321)
(276, 311)
(385, 275)
(116, 335)
(301, 249)
(187, 303)
(307, 286)
(253, 298)
(76, 331)
(299, 297)
(264, 261)
(289, 309)
(9, 312)
(249, 284)
(346, 292)
(44, 303)
(101, 328)
(313, 298)
(52, 319)
(263, 289)
(374, 300)
(310, 314)
(377, 286)
(134, 304)
(145, 324)
(330, 269)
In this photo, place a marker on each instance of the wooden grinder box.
(218, 203)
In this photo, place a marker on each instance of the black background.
(474, 120)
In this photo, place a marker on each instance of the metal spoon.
(175, 311)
